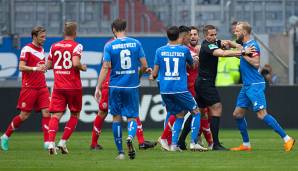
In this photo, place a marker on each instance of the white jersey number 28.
(67, 63)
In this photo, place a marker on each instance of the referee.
(207, 94)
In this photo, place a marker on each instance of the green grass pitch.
(26, 153)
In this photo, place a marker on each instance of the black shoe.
(97, 147)
(147, 144)
(131, 149)
(219, 147)
(182, 146)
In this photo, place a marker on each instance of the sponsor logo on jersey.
(212, 46)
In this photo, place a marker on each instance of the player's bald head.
(245, 26)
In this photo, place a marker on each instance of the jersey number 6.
(125, 59)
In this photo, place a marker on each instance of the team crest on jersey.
(212, 46)
(105, 105)
(23, 104)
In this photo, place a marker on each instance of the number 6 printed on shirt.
(125, 59)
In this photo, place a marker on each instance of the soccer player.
(170, 67)
(123, 56)
(192, 44)
(102, 113)
(252, 92)
(64, 59)
(207, 95)
(34, 92)
(189, 38)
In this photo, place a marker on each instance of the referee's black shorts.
(206, 93)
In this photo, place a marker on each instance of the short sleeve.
(78, 50)
(24, 56)
(257, 48)
(156, 58)
(50, 57)
(188, 57)
(211, 47)
(141, 50)
(106, 53)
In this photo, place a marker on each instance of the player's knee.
(45, 113)
(102, 114)
(24, 115)
(180, 115)
(216, 109)
(116, 118)
(76, 114)
(195, 111)
(261, 114)
(237, 115)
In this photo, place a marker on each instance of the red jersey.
(33, 56)
(192, 72)
(65, 75)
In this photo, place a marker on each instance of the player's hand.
(148, 70)
(97, 94)
(150, 78)
(41, 68)
(225, 44)
(196, 59)
(84, 67)
(250, 50)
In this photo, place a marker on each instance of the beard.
(193, 43)
(240, 39)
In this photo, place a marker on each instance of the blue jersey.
(172, 75)
(250, 74)
(124, 55)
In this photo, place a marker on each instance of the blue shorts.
(252, 97)
(176, 103)
(124, 102)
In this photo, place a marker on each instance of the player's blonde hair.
(70, 28)
(245, 26)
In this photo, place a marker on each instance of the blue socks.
(132, 129)
(242, 126)
(195, 127)
(117, 132)
(270, 121)
(176, 130)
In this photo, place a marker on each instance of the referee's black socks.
(214, 126)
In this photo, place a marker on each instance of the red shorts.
(103, 103)
(37, 98)
(62, 98)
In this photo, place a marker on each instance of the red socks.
(96, 131)
(140, 133)
(167, 133)
(45, 128)
(15, 123)
(70, 127)
(53, 128)
(205, 128)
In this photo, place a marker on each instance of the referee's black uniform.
(207, 94)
